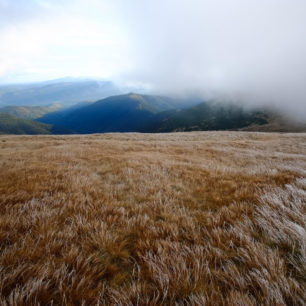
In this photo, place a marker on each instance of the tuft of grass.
(202, 218)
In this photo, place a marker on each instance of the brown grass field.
(202, 218)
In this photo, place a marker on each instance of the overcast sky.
(253, 50)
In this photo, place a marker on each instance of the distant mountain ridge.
(30, 112)
(66, 92)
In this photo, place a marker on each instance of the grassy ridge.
(214, 218)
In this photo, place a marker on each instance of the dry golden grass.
(214, 218)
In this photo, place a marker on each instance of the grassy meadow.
(200, 218)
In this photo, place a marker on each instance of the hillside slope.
(206, 116)
(10, 124)
(216, 116)
(30, 112)
(277, 123)
(58, 116)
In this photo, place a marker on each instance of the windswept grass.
(214, 218)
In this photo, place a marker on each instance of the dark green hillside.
(10, 124)
(206, 116)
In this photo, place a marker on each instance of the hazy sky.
(254, 50)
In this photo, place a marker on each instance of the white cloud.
(71, 39)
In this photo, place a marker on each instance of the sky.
(41, 40)
(248, 50)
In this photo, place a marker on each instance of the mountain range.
(155, 114)
(124, 113)
(66, 91)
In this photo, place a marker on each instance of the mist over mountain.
(247, 51)
(91, 106)
(147, 113)
(251, 53)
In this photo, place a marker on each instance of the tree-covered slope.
(206, 116)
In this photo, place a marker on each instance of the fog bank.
(253, 51)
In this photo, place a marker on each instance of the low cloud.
(253, 50)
